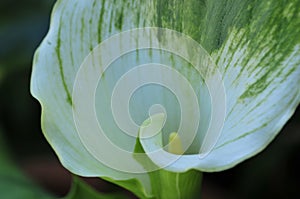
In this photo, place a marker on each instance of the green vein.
(243, 135)
(82, 33)
(100, 21)
(71, 33)
(262, 83)
(60, 62)
(119, 18)
(258, 128)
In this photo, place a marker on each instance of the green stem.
(168, 184)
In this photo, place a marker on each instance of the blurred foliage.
(13, 184)
(81, 190)
(23, 23)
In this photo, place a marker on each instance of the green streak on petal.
(242, 136)
(100, 22)
(82, 33)
(119, 18)
(110, 21)
(71, 33)
(61, 68)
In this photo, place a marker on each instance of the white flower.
(257, 54)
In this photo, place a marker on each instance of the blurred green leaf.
(22, 25)
(15, 185)
(81, 190)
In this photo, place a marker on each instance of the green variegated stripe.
(255, 44)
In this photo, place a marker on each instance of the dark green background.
(272, 174)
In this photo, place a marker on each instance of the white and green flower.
(255, 46)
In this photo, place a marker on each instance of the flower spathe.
(257, 53)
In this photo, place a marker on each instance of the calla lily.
(254, 45)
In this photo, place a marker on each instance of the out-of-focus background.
(274, 173)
